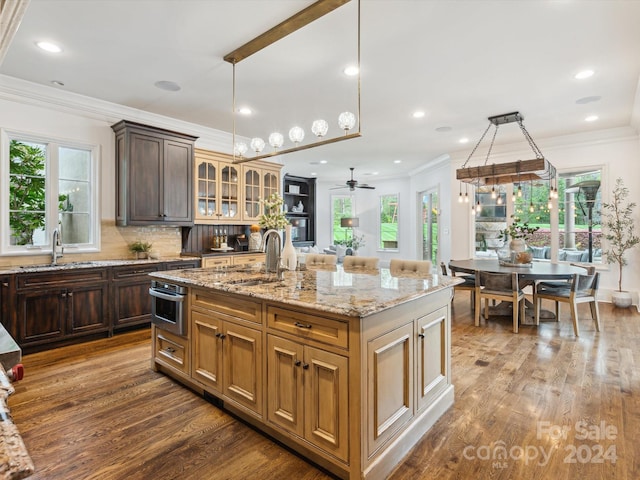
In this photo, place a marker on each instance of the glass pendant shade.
(296, 134)
(319, 128)
(276, 140)
(346, 120)
(257, 144)
(240, 148)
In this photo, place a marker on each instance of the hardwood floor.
(98, 411)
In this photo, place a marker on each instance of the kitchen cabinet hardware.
(302, 325)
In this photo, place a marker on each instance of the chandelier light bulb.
(550, 205)
(460, 198)
(257, 144)
(494, 195)
(346, 121)
(296, 134)
(519, 191)
(499, 201)
(531, 208)
(240, 148)
(319, 128)
(276, 140)
(513, 197)
(466, 198)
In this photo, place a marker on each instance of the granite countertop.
(350, 293)
(86, 264)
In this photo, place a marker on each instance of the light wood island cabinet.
(349, 370)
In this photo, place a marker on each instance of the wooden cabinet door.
(229, 193)
(130, 299)
(7, 312)
(252, 193)
(206, 363)
(390, 389)
(326, 401)
(432, 354)
(243, 366)
(41, 315)
(177, 186)
(87, 308)
(146, 183)
(207, 189)
(285, 398)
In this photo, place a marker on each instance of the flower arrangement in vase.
(274, 216)
(519, 232)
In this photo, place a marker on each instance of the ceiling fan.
(353, 184)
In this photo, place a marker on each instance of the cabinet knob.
(421, 335)
(305, 366)
(5, 284)
(220, 335)
(298, 363)
(302, 325)
(70, 294)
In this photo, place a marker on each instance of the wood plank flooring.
(98, 411)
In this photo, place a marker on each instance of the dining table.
(528, 274)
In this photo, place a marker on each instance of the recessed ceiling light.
(57, 83)
(592, 98)
(49, 47)
(464, 140)
(397, 161)
(313, 174)
(583, 74)
(244, 111)
(167, 85)
(418, 114)
(323, 161)
(591, 118)
(351, 70)
(443, 129)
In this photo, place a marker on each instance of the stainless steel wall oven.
(167, 307)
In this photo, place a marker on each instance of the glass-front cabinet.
(228, 193)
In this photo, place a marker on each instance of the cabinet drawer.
(120, 273)
(215, 262)
(181, 265)
(172, 350)
(249, 259)
(237, 307)
(60, 278)
(325, 330)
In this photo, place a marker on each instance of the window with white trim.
(48, 184)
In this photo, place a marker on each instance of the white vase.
(288, 255)
(621, 299)
(518, 245)
(255, 241)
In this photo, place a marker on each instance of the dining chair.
(398, 267)
(499, 286)
(368, 263)
(320, 260)
(589, 269)
(469, 284)
(583, 289)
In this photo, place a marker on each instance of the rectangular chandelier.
(519, 171)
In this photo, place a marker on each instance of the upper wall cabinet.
(154, 176)
(230, 193)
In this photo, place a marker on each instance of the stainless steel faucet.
(273, 249)
(56, 242)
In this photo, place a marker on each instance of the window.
(388, 234)
(490, 214)
(342, 206)
(47, 185)
(579, 203)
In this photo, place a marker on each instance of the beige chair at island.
(360, 263)
(399, 267)
(313, 260)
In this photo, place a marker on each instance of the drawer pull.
(302, 325)
(5, 284)
(170, 350)
(220, 335)
(421, 335)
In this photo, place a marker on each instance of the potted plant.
(619, 231)
(354, 243)
(140, 248)
(273, 217)
(518, 233)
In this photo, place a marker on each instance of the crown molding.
(29, 93)
(11, 14)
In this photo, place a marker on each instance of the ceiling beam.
(290, 25)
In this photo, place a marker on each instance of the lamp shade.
(349, 222)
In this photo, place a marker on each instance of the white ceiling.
(459, 61)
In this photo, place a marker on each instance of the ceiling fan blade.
(337, 187)
(364, 185)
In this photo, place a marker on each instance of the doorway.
(428, 224)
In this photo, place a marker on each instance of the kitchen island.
(349, 369)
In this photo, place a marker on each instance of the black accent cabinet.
(299, 195)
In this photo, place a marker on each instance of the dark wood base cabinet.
(57, 306)
(45, 310)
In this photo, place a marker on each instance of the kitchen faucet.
(273, 250)
(56, 241)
